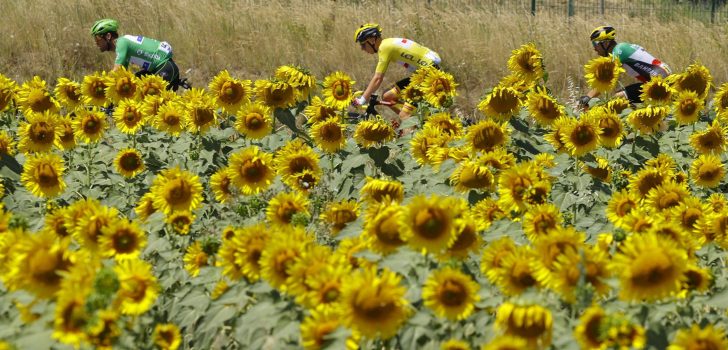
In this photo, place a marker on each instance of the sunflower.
(251, 170)
(697, 280)
(602, 171)
(696, 78)
(312, 262)
(151, 103)
(707, 170)
(92, 219)
(176, 190)
(220, 183)
(329, 135)
(467, 238)
(649, 267)
(648, 178)
(549, 247)
(247, 247)
(326, 285)
(67, 137)
(382, 229)
(43, 175)
(201, 111)
(129, 162)
(340, 214)
(317, 111)
(571, 266)
(33, 97)
(337, 90)
(195, 258)
(517, 83)
(181, 221)
(279, 255)
(254, 120)
(71, 319)
(138, 287)
(689, 212)
(514, 185)
(230, 93)
(472, 175)
(488, 135)
(374, 305)
(612, 129)
(532, 323)
(122, 239)
(55, 222)
(68, 93)
(438, 87)
(501, 103)
(318, 326)
(445, 122)
(602, 73)
(590, 330)
(505, 342)
(8, 92)
(648, 120)
(617, 105)
(712, 228)
(657, 92)
(151, 85)
(582, 135)
(687, 107)
(544, 108)
(697, 337)
(293, 160)
(172, 118)
(7, 144)
(129, 116)
(717, 202)
(275, 94)
(377, 190)
(511, 271)
(283, 206)
(526, 62)
(300, 78)
(540, 219)
(104, 330)
(720, 101)
(39, 133)
(93, 89)
(37, 264)
(557, 134)
(665, 196)
(428, 223)
(711, 140)
(427, 143)
(121, 84)
(89, 126)
(450, 294)
(166, 336)
(145, 207)
(373, 132)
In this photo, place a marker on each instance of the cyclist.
(635, 60)
(154, 57)
(406, 52)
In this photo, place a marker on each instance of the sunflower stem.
(89, 163)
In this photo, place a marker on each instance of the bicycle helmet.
(104, 26)
(603, 33)
(366, 31)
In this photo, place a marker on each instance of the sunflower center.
(283, 262)
(604, 73)
(231, 92)
(525, 329)
(299, 164)
(331, 294)
(470, 177)
(286, 211)
(583, 135)
(203, 116)
(648, 182)
(225, 185)
(688, 107)
(374, 133)
(98, 88)
(388, 231)
(42, 132)
(669, 200)
(201, 259)
(542, 223)
(690, 217)
(171, 119)
(254, 255)
(708, 172)
(167, 336)
(180, 192)
(610, 128)
(651, 269)
(658, 92)
(74, 317)
(504, 102)
(331, 133)
(593, 330)
(340, 90)
(694, 82)
(39, 101)
(254, 121)
(91, 126)
(521, 275)
(453, 293)
(136, 289)
(488, 138)
(430, 223)
(46, 175)
(125, 87)
(624, 208)
(124, 241)
(375, 310)
(253, 170)
(129, 162)
(131, 117)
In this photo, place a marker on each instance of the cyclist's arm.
(373, 85)
(122, 59)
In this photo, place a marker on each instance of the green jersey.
(639, 63)
(149, 54)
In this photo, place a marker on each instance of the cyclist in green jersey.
(152, 56)
(406, 52)
(635, 60)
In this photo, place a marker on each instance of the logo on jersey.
(149, 55)
(411, 58)
(165, 47)
(139, 39)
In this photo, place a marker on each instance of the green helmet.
(104, 26)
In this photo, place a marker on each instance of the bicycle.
(374, 101)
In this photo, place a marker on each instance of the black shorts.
(168, 71)
(633, 92)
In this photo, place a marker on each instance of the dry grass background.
(250, 38)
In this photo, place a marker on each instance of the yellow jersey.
(405, 52)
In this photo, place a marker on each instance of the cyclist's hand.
(359, 101)
(584, 101)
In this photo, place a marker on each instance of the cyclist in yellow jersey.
(406, 52)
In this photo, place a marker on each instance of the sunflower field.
(256, 215)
